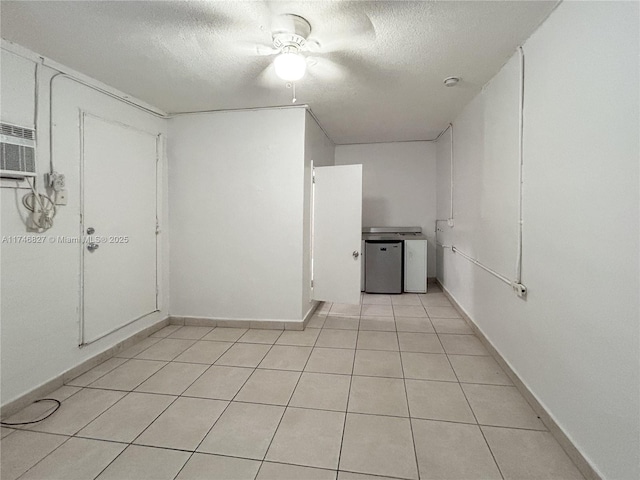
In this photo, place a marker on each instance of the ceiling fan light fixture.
(290, 66)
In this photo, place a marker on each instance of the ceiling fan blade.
(312, 45)
(268, 78)
(173, 15)
(337, 43)
(267, 11)
(266, 50)
(363, 70)
(251, 49)
(358, 31)
(324, 69)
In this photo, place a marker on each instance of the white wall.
(236, 188)
(398, 186)
(486, 170)
(575, 340)
(320, 150)
(40, 282)
(17, 78)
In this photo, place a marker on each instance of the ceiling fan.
(290, 33)
(296, 50)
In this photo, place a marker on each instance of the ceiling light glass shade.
(290, 66)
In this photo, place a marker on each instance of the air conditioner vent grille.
(17, 151)
(18, 132)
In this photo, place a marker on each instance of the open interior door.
(337, 233)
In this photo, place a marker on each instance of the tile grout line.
(32, 428)
(413, 438)
(103, 411)
(210, 365)
(308, 408)
(374, 475)
(406, 396)
(158, 416)
(472, 411)
(127, 360)
(195, 450)
(253, 371)
(346, 413)
(69, 384)
(42, 459)
(168, 406)
(133, 390)
(284, 412)
(271, 461)
(74, 435)
(291, 464)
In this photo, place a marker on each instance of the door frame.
(82, 251)
(312, 206)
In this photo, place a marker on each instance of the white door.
(337, 233)
(119, 214)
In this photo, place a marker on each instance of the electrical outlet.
(61, 197)
(450, 222)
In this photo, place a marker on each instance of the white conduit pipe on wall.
(484, 267)
(518, 278)
(92, 87)
(450, 219)
(516, 284)
(437, 242)
(450, 222)
(471, 259)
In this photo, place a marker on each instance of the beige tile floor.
(397, 387)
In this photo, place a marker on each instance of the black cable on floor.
(4, 424)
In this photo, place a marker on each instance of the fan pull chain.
(292, 86)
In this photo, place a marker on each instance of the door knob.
(356, 254)
(92, 246)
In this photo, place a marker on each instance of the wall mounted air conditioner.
(17, 151)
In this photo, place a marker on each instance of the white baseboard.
(242, 323)
(52, 385)
(562, 438)
(309, 314)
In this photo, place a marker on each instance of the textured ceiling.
(377, 76)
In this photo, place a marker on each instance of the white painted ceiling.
(378, 75)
